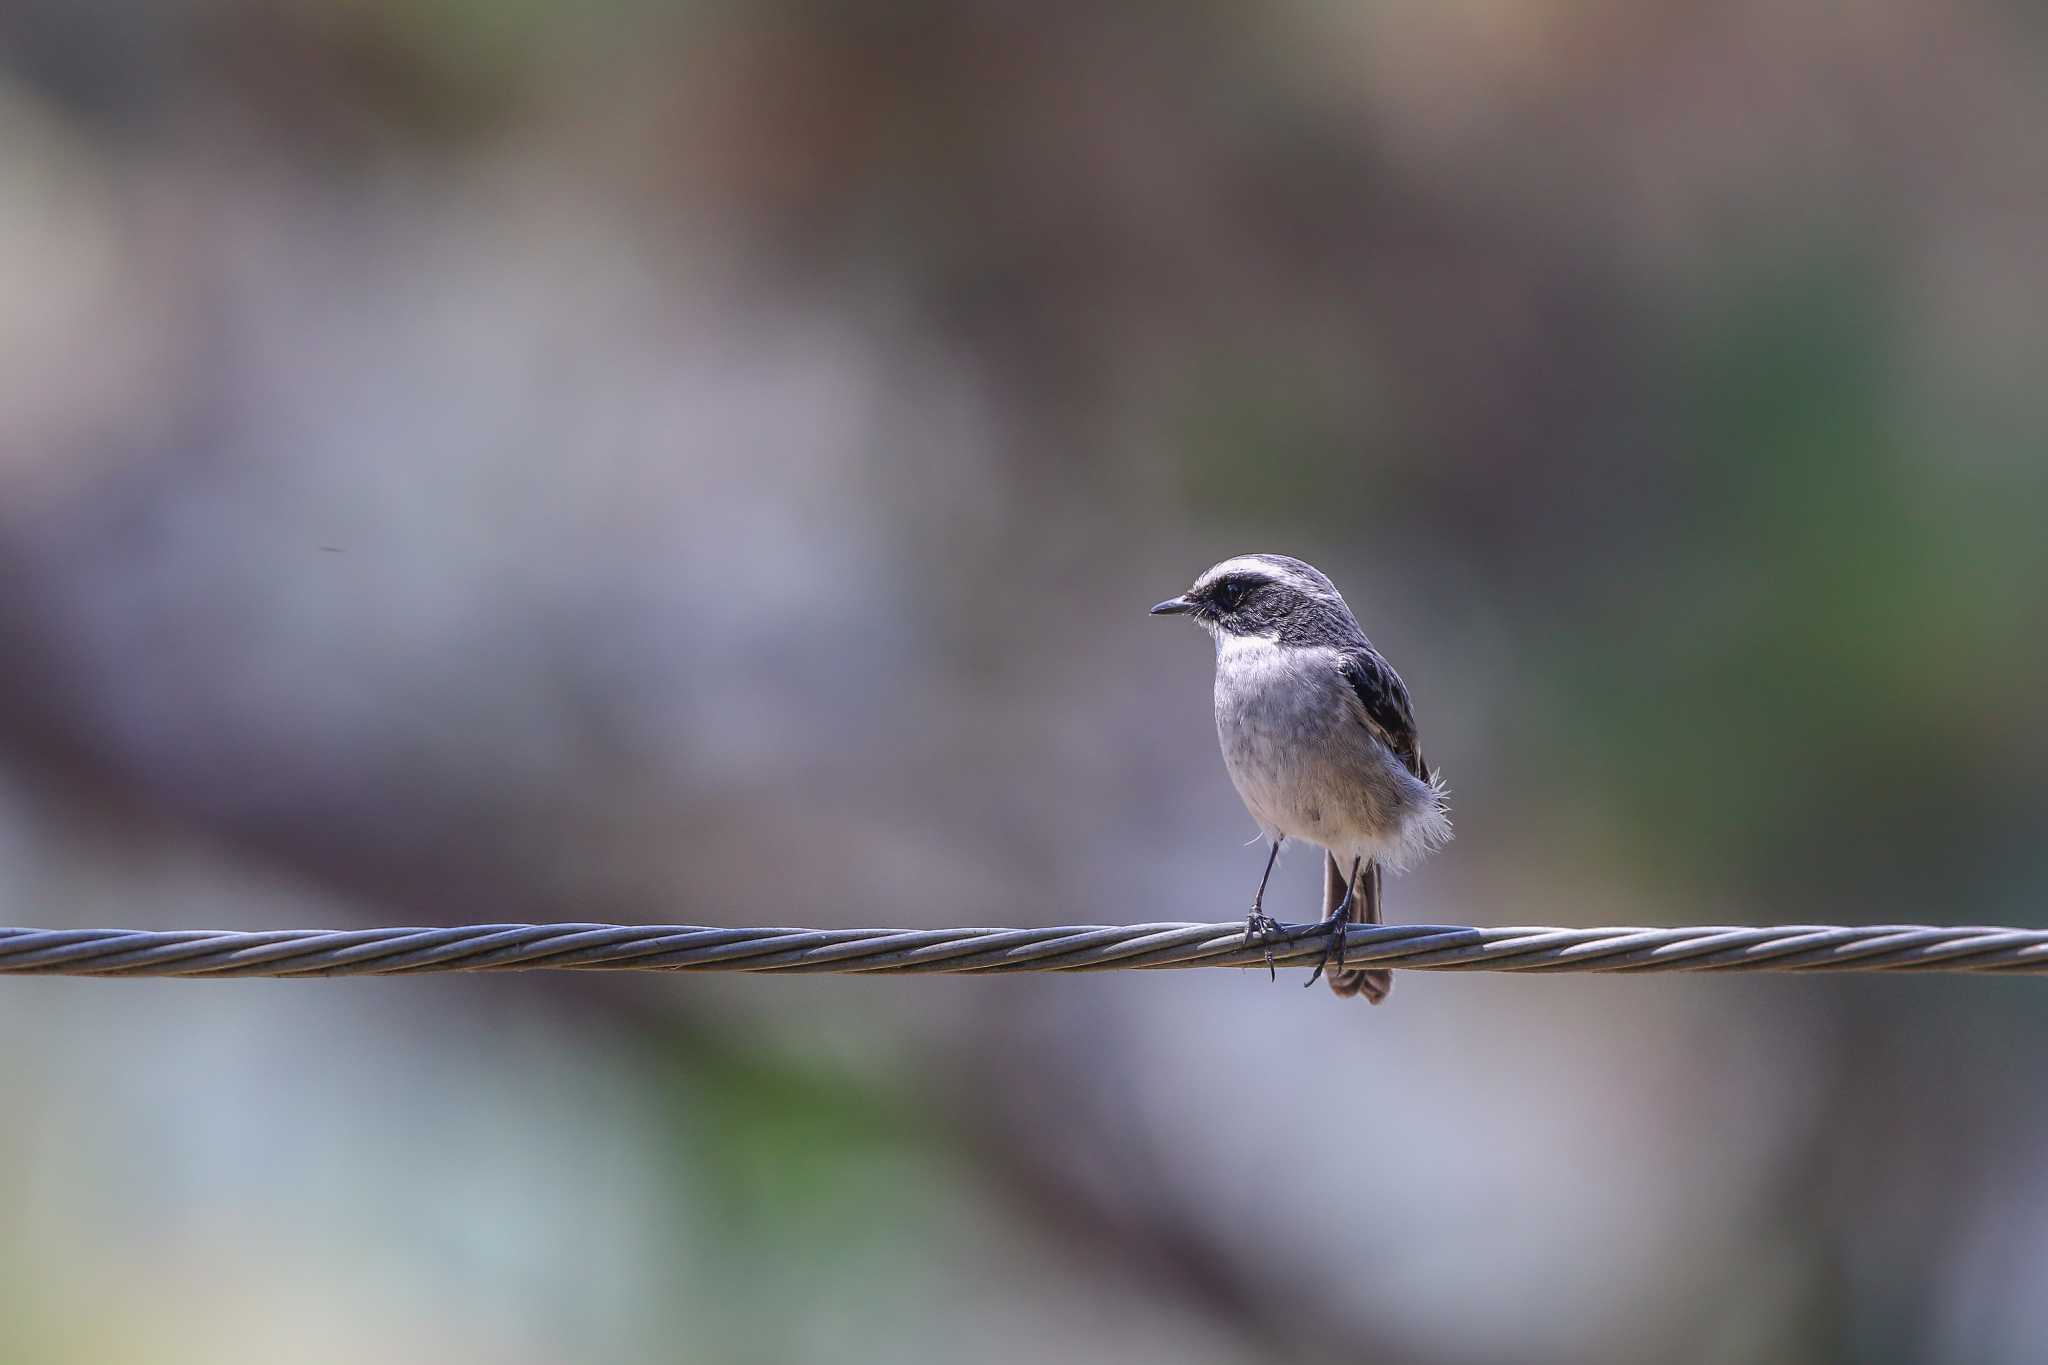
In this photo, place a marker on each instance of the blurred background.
(478, 460)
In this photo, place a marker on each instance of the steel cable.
(1066, 948)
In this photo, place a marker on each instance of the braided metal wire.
(1066, 948)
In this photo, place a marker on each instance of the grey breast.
(1300, 758)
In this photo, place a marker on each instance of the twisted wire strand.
(1065, 948)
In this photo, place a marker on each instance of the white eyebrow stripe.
(1244, 566)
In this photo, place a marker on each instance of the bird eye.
(1229, 593)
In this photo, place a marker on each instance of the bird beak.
(1173, 606)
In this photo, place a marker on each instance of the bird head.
(1259, 595)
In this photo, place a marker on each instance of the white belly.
(1302, 759)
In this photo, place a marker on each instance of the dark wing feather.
(1388, 711)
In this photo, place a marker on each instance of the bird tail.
(1371, 982)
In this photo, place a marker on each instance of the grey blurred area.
(471, 462)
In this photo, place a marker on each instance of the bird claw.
(1338, 926)
(1263, 928)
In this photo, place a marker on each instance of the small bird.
(1319, 737)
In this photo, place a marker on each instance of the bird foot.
(1338, 926)
(1262, 928)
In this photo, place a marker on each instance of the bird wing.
(1388, 712)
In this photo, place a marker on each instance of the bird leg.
(1259, 925)
(1336, 924)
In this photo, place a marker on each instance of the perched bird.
(1319, 737)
